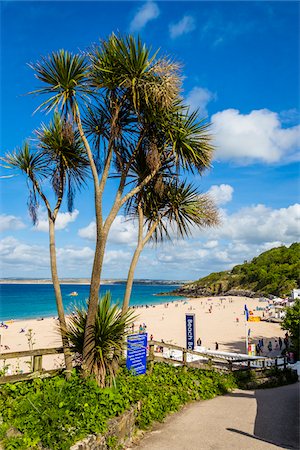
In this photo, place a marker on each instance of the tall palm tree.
(60, 157)
(175, 206)
(134, 103)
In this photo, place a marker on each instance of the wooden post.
(37, 363)
(230, 366)
(184, 359)
(151, 357)
(276, 362)
(284, 362)
(263, 364)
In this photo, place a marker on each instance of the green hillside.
(276, 272)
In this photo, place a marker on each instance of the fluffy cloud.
(21, 259)
(198, 98)
(259, 224)
(123, 231)
(62, 221)
(221, 194)
(184, 26)
(22, 256)
(241, 236)
(147, 12)
(254, 137)
(8, 222)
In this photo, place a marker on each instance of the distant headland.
(86, 281)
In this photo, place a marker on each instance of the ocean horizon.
(31, 301)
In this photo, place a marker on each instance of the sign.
(190, 331)
(137, 353)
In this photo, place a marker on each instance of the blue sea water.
(25, 301)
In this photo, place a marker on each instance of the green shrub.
(56, 413)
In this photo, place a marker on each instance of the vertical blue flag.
(246, 313)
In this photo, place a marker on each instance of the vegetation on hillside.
(274, 272)
(55, 413)
(291, 323)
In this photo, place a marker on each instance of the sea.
(28, 301)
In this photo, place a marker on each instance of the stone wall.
(119, 433)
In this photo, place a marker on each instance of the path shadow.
(277, 417)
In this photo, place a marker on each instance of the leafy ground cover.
(55, 413)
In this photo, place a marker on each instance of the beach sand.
(163, 322)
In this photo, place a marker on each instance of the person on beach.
(217, 346)
(280, 343)
(270, 346)
(199, 342)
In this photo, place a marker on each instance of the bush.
(56, 413)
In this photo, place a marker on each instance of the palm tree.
(175, 205)
(108, 340)
(134, 105)
(60, 157)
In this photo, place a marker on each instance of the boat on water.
(73, 294)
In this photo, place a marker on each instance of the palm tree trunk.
(59, 303)
(88, 344)
(130, 278)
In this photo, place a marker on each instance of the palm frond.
(108, 337)
(62, 147)
(65, 79)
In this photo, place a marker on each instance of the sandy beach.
(225, 324)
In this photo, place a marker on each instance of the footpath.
(242, 420)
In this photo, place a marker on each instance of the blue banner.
(190, 331)
(137, 353)
(246, 313)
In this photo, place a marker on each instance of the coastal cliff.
(274, 272)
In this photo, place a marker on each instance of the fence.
(209, 360)
(36, 364)
(184, 357)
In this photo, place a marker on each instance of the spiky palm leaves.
(176, 206)
(108, 337)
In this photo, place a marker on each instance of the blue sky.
(240, 68)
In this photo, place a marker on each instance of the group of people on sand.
(278, 344)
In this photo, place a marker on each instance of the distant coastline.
(86, 281)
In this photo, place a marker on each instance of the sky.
(241, 70)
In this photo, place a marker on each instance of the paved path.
(242, 420)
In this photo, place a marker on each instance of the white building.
(295, 294)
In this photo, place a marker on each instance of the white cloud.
(88, 232)
(254, 137)
(22, 256)
(221, 194)
(184, 26)
(62, 221)
(21, 259)
(241, 236)
(198, 98)
(123, 231)
(147, 12)
(8, 222)
(211, 244)
(259, 225)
